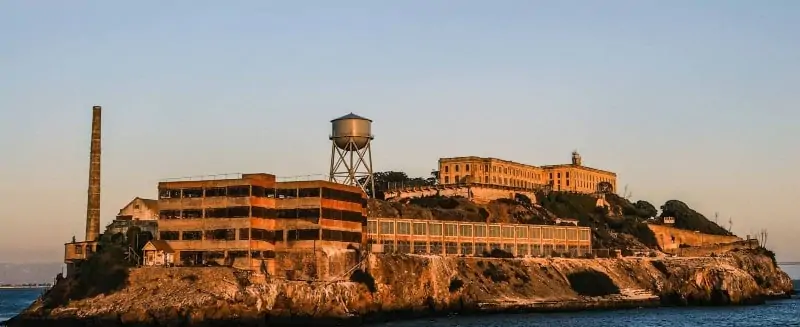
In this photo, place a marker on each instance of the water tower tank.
(351, 132)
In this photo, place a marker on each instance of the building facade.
(573, 177)
(139, 209)
(396, 235)
(247, 222)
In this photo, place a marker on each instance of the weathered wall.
(671, 238)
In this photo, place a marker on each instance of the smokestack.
(93, 201)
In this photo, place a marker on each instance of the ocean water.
(774, 313)
(12, 301)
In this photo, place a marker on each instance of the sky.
(689, 100)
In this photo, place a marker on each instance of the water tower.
(351, 152)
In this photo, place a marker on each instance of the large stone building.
(253, 221)
(573, 177)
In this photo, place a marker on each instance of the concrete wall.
(478, 194)
(671, 238)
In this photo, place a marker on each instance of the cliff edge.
(404, 286)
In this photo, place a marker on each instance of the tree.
(645, 209)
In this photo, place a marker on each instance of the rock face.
(408, 286)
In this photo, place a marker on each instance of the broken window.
(328, 193)
(269, 192)
(308, 213)
(163, 194)
(238, 212)
(192, 235)
(192, 213)
(344, 215)
(221, 234)
(258, 191)
(169, 214)
(261, 212)
(309, 192)
(286, 193)
(216, 191)
(302, 234)
(217, 213)
(168, 235)
(258, 234)
(239, 191)
(193, 193)
(244, 233)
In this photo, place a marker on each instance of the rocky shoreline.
(410, 286)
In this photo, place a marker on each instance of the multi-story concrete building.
(246, 221)
(574, 177)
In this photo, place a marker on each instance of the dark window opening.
(261, 212)
(168, 236)
(286, 193)
(302, 235)
(269, 192)
(216, 191)
(244, 233)
(193, 193)
(346, 196)
(258, 191)
(221, 234)
(309, 192)
(238, 212)
(192, 213)
(344, 215)
(258, 234)
(191, 235)
(239, 191)
(169, 214)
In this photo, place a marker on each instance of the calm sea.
(775, 313)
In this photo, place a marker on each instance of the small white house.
(158, 253)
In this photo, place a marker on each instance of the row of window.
(436, 229)
(260, 212)
(258, 234)
(259, 191)
(469, 248)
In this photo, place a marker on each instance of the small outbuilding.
(158, 253)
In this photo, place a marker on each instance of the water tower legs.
(352, 167)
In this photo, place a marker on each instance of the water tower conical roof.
(351, 116)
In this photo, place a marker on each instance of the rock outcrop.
(410, 286)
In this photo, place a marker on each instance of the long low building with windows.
(466, 238)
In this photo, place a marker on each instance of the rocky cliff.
(408, 286)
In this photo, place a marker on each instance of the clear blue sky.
(689, 100)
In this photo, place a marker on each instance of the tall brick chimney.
(93, 201)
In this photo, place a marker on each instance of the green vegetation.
(688, 219)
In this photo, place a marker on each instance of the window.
(221, 234)
(457, 179)
(309, 192)
(508, 232)
(494, 231)
(486, 179)
(572, 234)
(446, 169)
(566, 174)
(559, 175)
(450, 230)
(456, 168)
(387, 227)
(451, 248)
(135, 207)
(244, 233)
(286, 193)
(403, 228)
(536, 233)
(239, 191)
(466, 167)
(567, 182)
(480, 231)
(78, 249)
(466, 248)
(522, 232)
(486, 167)
(465, 230)
(191, 235)
(420, 247)
(435, 229)
(419, 229)
(302, 235)
(215, 191)
(372, 227)
(168, 236)
(193, 193)
(447, 179)
(547, 233)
